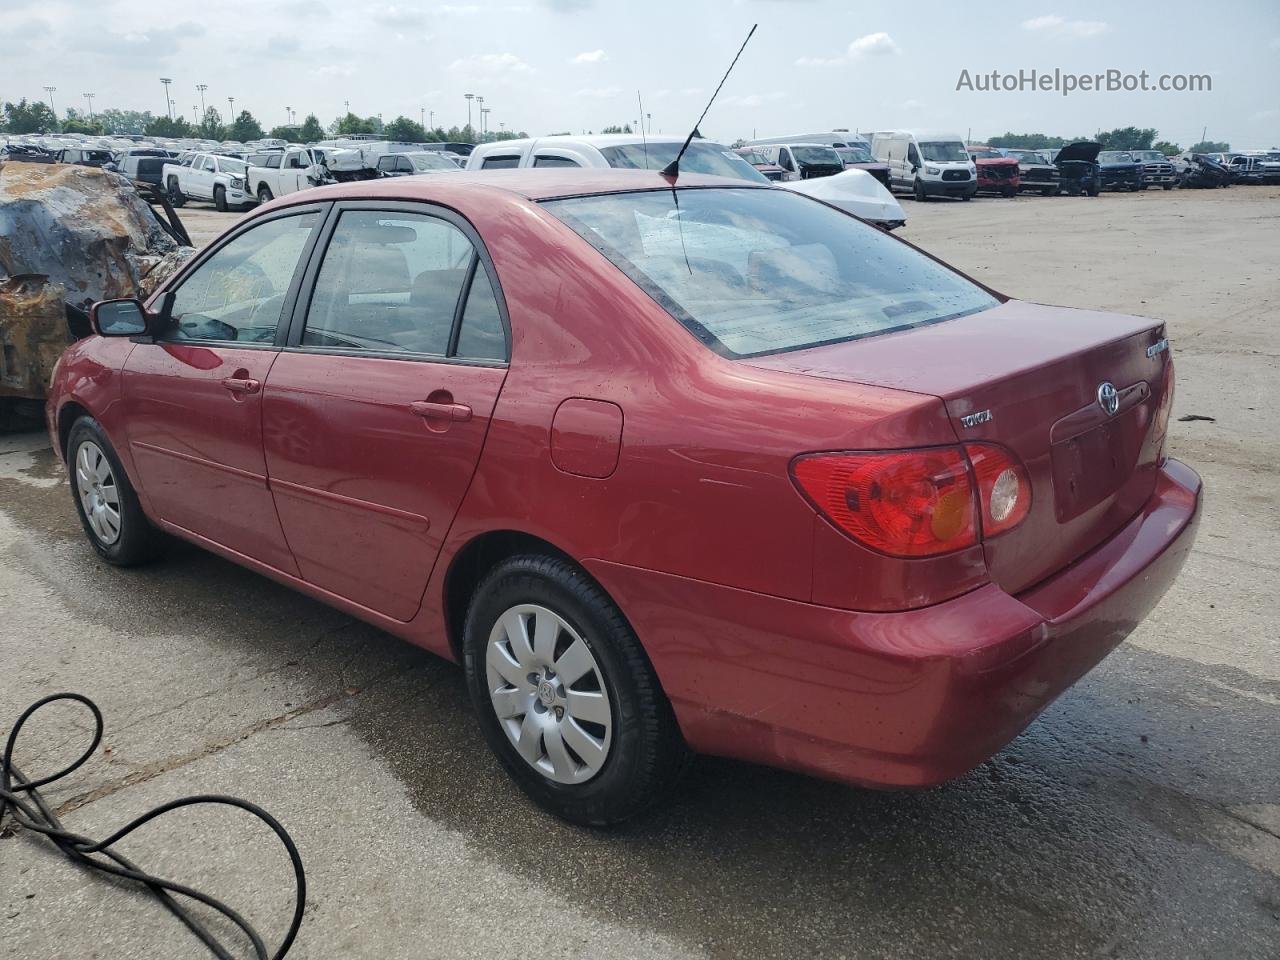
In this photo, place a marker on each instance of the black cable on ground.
(20, 796)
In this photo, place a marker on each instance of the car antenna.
(643, 139)
(672, 170)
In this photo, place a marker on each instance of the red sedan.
(706, 468)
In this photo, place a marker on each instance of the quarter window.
(500, 163)
(481, 336)
(390, 282)
(237, 295)
(554, 162)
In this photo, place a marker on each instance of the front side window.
(237, 295)
(393, 282)
(753, 272)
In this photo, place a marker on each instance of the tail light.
(912, 503)
(1004, 492)
(917, 503)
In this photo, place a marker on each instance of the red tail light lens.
(911, 503)
(1004, 491)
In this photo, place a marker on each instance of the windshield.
(855, 154)
(1112, 156)
(753, 272)
(432, 161)
(753, 156)
(699, 158)
(817, 156)
(943, 151)
(1028, 156)
(231, 165)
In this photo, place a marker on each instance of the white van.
(926, 164)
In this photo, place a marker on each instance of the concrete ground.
(1138, 818)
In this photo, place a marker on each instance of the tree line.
(1121, 138)
(37, 117)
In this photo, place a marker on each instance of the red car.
(996, 172)
(705, 467)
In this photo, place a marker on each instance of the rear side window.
(499, 163)
(555, 162)
(394, 283)
(753, 272)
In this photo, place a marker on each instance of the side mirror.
(118, 318)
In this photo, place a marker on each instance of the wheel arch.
(68, 414)
(476, 558)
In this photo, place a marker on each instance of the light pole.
(50, 92)
(431, 118)
(480, 107)
(288, 116)
(89, 97)
(231, 106)
(202, 87)
(168, 104)
(469, 97)
(484, 121)
(346, 106)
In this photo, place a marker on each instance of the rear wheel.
(220, 199)
(565, 695)
(105, 500)
(264, 194)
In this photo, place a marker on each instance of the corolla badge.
(1108, 398)
(1160, 346)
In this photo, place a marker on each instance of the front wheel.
(919, 191)
(1047, 192)
(566, 696)
(105, 499)
(1166, 186)
(176, 196)
(220, 199)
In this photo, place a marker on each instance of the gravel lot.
(1139, 817)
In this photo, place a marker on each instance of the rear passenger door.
(375, 413)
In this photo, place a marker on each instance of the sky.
(574, 65)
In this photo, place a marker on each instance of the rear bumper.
(898, 699)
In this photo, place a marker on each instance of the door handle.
(431, 410)
(242, 385)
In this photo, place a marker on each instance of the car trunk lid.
(1029, 377)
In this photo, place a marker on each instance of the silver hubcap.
(99, 495)
(549, 694)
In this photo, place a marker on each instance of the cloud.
(1275, 43)
(490, 65)
(458, 9)
(598, 93)
(335, 70)
(756, 99)
(591, 56)
(156, 43)
(1055, 26)
(567, 6)
(398, 18)
(820, 62)
(281, 45)
(873, 45)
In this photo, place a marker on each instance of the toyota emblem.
(1108, 398)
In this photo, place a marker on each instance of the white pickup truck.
(273, 175)
(208, 176)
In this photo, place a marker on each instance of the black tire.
(1008, 193)
(176, 196)
(138, 541)
(220, 199)
(968, 196)
(646, 753)
(1166, 186)
(264, 194)
(1047, 191)
(918, 191)
(1093, 191)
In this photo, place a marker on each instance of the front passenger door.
(377, 410)
(193, 399)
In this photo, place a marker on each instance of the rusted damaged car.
(70, 235)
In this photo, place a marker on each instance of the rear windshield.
(699, 158)
(753, 272)
(855, 154)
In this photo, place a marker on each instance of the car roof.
(529, 183)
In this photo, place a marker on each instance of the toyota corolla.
(669, 467)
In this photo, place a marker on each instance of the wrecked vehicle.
(85, 156)
(1035, 171)
(858, 157)
(996, 172)
(1119, 170)
(803, 161)
(1078, 169)
(69, 235)
(1203, 172)
(271, 175)
(753, 156)
(410, 164)
(208, 176)
(856, 192)
(1157, 169)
